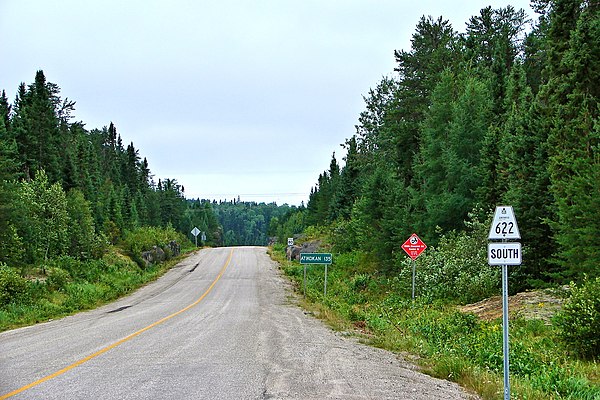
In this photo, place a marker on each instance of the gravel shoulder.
(304, 359)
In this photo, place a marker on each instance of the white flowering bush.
(456, 269)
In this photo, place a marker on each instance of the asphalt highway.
(222, 324)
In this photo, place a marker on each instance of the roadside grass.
(67, 286)
(443, 341)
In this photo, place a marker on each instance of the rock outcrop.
(157, 254)
(293, 252)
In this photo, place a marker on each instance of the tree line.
(69, 191)
(248, 223)
(235, 222)
(506, 112)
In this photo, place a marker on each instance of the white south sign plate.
(504, 254)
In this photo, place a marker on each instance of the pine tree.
(318, 202)
(348, 188)
(19, 126)
(43, 124)
(493, 42)
(434, 49)
(451, 143)
(172, 204)
(82, 234)
(9, 168)
(523, 179)
(373, 231)
(574, 136)
(334, 185)
(8, 147)
(5, 110)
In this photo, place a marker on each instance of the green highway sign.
(315, 258)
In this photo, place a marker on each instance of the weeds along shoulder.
(66, 285)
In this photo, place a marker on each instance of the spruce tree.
(452, 135)
(43, 124)
(348, 188)
(523, 179)
(574, 135)
(493, 41)
(5, 110)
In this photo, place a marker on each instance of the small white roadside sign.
(504, 253)
(504, 227)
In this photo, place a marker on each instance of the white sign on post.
(195, 232)
(290, 241)
(504, 225)
(504, 253)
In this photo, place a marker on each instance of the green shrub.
(80, 270)
(82, 296)
(579, 321)
(145, 238)
(556, 379)
(360, 282)
(57, 278)
(343, 236)
(279, 247)
(457, 270)
(12, 286)
(440, 328)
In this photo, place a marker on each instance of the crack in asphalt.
(116, 310)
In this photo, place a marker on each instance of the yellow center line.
(125, 339)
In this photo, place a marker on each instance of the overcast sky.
(231, 98)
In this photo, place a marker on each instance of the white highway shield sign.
(504, 225)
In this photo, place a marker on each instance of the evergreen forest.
(69, 191)
(504, 113)
(248, 223)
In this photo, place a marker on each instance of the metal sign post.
(414, 272)
(325, 286)
(505, 351)
(304, 281)
(504, 227)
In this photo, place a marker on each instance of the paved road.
(220, 325)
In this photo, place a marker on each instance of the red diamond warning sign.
(414, 246)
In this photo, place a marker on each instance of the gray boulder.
(293, 252)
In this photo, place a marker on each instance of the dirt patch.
(538, 304)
